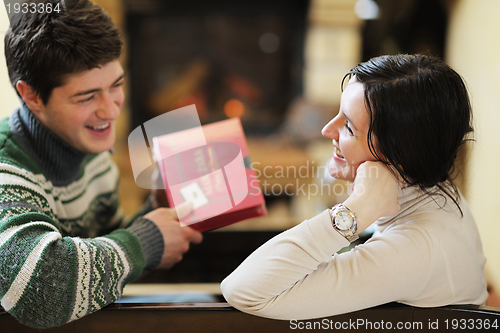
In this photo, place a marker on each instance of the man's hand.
(175, 237)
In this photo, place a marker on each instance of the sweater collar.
(60, 163)
(410, 199)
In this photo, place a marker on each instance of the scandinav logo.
(209, 173)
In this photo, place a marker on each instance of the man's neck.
(60, 163)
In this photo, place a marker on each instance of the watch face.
(343, 220)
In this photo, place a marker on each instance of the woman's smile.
(337, 153)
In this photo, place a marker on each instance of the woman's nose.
(331, 130)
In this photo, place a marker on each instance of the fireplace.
(229, 58)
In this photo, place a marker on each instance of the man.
(65, 248)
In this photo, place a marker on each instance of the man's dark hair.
(420, 115)
(42, 49)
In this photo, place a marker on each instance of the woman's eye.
(349, 129)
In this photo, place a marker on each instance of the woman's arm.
(295, 276)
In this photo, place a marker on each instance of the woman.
(401, 122)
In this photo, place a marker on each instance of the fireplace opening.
(229, 58)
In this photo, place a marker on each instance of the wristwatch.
(344, 221)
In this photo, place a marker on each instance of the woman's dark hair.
(420, 115)
(44, 47)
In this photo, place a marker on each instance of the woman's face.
(348, 131)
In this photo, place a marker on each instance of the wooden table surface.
(221, 317)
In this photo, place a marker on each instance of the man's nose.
(109, 107)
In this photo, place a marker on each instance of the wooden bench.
(221, 317)
(210, 262)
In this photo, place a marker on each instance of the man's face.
(84, 110)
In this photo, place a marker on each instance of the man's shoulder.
(4, 127)
(11, 151)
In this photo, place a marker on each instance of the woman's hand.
(375, 194)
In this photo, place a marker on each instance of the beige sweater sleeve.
(298, 275)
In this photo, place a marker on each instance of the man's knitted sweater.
(63, 250)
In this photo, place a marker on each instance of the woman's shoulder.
(439, 224)
(431, 212)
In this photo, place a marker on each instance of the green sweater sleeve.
(49, 276)
(48, 280)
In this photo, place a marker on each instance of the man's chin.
(96, 148)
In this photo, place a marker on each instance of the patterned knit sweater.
(63, 250)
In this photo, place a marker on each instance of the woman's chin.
(341, 176)
(342, 172)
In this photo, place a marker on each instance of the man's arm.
(48, 276)
(48, 280)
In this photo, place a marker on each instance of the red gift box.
(210, 166)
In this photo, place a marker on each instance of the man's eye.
(86, 99)
(119, 84)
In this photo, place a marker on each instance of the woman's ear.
(29, 96)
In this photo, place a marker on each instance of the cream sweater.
(427, 255)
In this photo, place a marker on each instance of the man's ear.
(29, 96)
